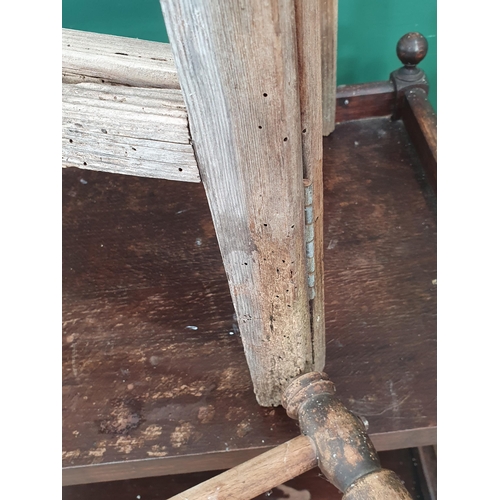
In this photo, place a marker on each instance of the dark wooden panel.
(155, 379)
(420, 121)
(312, 483)
(365, 100)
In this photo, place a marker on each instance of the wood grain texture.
(420, 120)
(307, 19)
(154, 373)
(329, 30)
(127, 130)
(310, 485)
(365, 100)
(258, 475)
(97, 58)
(240, 84)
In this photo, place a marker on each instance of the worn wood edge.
(127, 130)
(113, 59)
(409, 438)
(150, 467)
(258, 475)
(329, 36)
(420, 121)
(308, 16)
(428, 466)
(365, 100)
(244, 115)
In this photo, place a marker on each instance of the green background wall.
(368, 31)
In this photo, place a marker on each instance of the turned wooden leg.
(334, 439)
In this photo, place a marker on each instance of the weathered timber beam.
(128, 115)
(238, 70)
(329, 25)
(92, 57)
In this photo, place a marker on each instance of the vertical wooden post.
(329, 23)
(238, 69)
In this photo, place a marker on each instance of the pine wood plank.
(127, 130)
(154, 372)
(97, 58)
(237, 65)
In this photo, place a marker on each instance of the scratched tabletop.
(154, 375)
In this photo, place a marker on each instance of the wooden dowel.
(258, 475)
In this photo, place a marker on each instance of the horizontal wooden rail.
(123, 111)
(114, 59)
(420, 121)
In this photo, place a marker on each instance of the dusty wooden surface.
(127, 130)
(420, 120)
(329, 30)
(97, 58)
(241, 90)
(154, 374)
(307, 18)
(311, 485)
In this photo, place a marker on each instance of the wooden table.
(154, 374)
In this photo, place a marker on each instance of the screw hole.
(264, 94)
(285, 139)
(265, 225)
(293, 226)
(180, 169)
(304, 131)
(85, 163)
(260, 126)
(71, 141)
(246, 263)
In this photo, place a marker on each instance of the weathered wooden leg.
(239, 72)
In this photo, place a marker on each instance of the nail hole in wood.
(71, 141)
(285, 139)
(180, 169)
(264, 94)
(304, 131)
(265, 225)
(85, 163)
(260, 126)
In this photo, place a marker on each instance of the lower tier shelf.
(407, 464)
(154, 375)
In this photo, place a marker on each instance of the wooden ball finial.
(411, 49)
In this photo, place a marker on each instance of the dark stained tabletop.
(154, 375)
